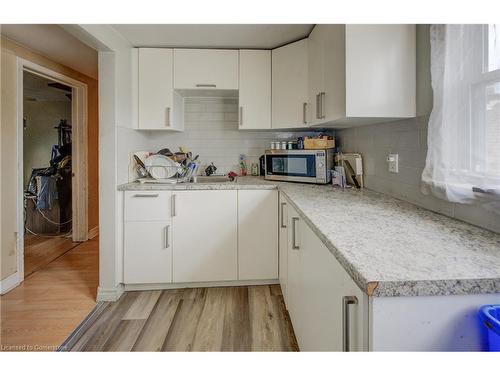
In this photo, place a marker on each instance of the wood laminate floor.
(250, 318)
(40, 313)
(39, 251)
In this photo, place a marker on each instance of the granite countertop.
(388, 246)
(241, 183)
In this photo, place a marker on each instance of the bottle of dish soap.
(243, 165)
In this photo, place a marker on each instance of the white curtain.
(463, 157)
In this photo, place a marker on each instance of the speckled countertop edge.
(372, 287)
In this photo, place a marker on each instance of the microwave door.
(291, 165)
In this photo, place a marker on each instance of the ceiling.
(55, 43)
(213, 36)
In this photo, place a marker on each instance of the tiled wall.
(407, 138)
(211, 130)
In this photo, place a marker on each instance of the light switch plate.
(393, 161)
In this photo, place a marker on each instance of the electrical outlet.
(393, 161)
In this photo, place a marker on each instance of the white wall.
(116, 137)
(211, 130)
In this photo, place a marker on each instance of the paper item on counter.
(338, 177)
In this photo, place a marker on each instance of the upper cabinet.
(205, 69)
(290, 86)
(359, 74)
(156, 99)
(255, 89)
(380, 70)
(340, 76)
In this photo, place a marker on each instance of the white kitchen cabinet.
(156, 98)
(359, 74)
(147, 255)
(326, 73)
(319, 290)
(255, 89)
(380, 70)
(257, 234)
(147, 205)
(205, 236)
(205, 69)
(147, 236)
(290, 86)
(283, 246)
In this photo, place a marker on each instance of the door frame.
(79, 118)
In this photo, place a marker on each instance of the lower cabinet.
(205, 235)
(328, 310)
(283, 247)
(147, 252)
(200, 236)
(257, 234)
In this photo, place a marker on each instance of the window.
(464, 128)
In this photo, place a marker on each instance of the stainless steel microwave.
(311, 166)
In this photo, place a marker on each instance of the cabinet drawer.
(147, 205)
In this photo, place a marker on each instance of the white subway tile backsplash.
(211, 130)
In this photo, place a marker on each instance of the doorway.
(52, 174)
(47, 171)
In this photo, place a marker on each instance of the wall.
(408, 138)
(116, 138)
(39, 134)
(211, 130)
(9, 52)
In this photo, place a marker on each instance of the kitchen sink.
(213, 179)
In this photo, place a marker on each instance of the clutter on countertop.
(243, 165)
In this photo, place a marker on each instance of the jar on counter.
(283, 145)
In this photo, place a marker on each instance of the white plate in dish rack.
(161, 167)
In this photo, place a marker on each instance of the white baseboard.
(159, 286)
(94, 232)
(109, 294)
(9, 283)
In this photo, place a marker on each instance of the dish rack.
(179, 174)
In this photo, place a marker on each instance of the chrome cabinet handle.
(168, 117)
(241, 115)
(173, 203)
(167, 239)
(145, 195)
(206, 85)
(283, 225)
(321, 103)
(346, 301)
(304, 108)
(317, 106)
(294, 233)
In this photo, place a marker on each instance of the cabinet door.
(155, 95)
(147, 256)
(255, 89)
(295, 298)
(316, 72)
(283, 246)
(257, 234)
(205, 69)
(205, 235)
(332, 97)
(317, 285)
(391, 80)
(290, 86)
